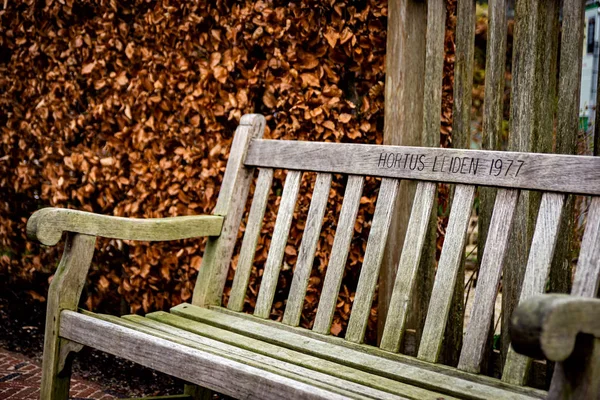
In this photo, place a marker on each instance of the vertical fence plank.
(306, 254)
(285, 214)
(531, 121)
(461, 138)
(569, 86)
(404, 80)
(253, 228)
(493, 112)
(430, 137)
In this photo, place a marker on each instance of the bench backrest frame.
(554, 175)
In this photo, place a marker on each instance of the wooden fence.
(544, 117)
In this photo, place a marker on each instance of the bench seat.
(320, 366)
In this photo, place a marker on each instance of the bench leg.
(64, 294)
(56, 367)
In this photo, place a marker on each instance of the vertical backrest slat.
(253, 227)
(363, 301)
(281, 231)
(445, 279)
(536, 274)
(487, 281)
(408, 266)
(587, 275)
(306, 254)
(231, 203)
(339, 254)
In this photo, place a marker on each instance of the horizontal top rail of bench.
(534, 171)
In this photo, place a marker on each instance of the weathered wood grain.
(253, 228)
(532, 107)
(536, 273)
(373, 351)
(230, 204)
(211, 340)
(281, 231)
(493, 113)
(192, 365)
(404, 89)
(445, 279)
(461, 139)
(64, 293)
(430, 137)
(339, 255)
(546, 172)
(463, 73)
(306, 254)
(587, 274)
(365, 379)
(48, 224)
(366, 358)
(380, 227)
(494, 254)
(407, 268)
(567, 121)
(247, 350)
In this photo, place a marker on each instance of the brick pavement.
(20, 379)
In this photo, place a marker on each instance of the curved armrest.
(48, 224)
(547, 326)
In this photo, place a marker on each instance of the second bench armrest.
(547, 326)
(48, 224)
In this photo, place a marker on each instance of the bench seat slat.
(285, 214)
(408, 266)
(445, 279)
(488, 280)
(210, 341)
(587, 275)
(308, 247)
(192, 365)
(428, 376)
(378, 383)
(363, 300)
(253, 228)
(339, 254)
(536, 274)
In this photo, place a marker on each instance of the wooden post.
(461, 138)
(405, 62)
(531, 122)
(493, 107)
(569, 87)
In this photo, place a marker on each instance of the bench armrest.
(48, 224)
(547, 326)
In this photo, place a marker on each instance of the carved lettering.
(464, 165)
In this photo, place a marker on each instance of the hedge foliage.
(128, 108)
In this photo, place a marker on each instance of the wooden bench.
(250, 356)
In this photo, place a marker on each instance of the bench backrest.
(553, 175)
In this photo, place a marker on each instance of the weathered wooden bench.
(251, 356)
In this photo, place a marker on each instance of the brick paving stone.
(20, 380)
